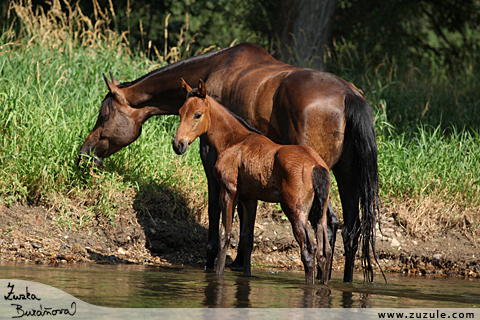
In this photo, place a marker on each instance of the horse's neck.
(224, 130)
(162, 88)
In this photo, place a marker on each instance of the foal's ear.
(185, 87)
(202, 88)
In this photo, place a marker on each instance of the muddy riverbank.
(35, 234)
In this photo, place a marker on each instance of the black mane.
(107, 107)
(241, 120)
(173, 65)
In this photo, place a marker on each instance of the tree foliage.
(445, 30)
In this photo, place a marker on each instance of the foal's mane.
(194, 93)
(241, 120)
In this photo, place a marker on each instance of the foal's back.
(260, 168)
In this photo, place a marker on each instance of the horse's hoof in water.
(236, 266)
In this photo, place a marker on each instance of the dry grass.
(57, 29)
(431, 217)
(68, 28)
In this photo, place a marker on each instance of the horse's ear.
(112, 87)
(185, 87)
(202, 88)
(114, 81)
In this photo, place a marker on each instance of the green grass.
(431, 163)
(49, 101)
(50, 93)
(416, 93)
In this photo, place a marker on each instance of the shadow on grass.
(170, 230)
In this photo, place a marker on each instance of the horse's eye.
(197, 116)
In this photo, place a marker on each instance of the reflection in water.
(218, 290)
(347, 299)
(243, 292)
(167, 287)
(314, 297)
(215, 291)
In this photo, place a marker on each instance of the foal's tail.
(360, 132)
(321, 186)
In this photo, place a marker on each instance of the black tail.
(321, 186)
(360, 131)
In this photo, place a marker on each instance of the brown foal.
(251, 167)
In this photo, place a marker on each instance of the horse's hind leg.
(349, 195)
(331, 234)
(246, 234)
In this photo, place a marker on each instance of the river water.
(141, 286)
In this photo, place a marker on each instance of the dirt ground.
(152, 237)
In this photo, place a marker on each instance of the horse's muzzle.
(84, 155)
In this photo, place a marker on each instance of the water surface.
(140, 286)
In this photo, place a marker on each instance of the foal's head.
(194, 117)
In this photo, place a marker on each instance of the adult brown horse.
(289, 104)
(250, 167)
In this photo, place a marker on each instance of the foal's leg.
(324, 252)
(298, 220)
(330, 233)
(227, 203)
(237, 264)
(246, 234)
(332, 227)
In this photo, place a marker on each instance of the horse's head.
(194, 117)
(117, 125)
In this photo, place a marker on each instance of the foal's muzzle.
(179, 147)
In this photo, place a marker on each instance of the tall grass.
(417, 93)
(427, 126)
(51, 89)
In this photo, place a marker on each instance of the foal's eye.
(197, 116)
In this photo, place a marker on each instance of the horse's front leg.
(246, 234)
(227, 201)
(208, 160)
